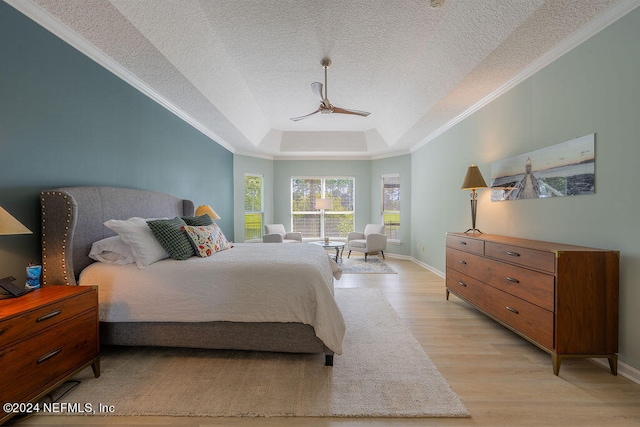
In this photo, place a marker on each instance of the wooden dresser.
(562, 298)
(46, 336)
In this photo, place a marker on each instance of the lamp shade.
(10, 225)
(473, 179)
(324, 203)
(206, 209)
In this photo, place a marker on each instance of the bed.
(73, 219)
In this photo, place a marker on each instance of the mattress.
(247, 283)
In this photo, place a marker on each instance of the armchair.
(275, 233)
(371, 241)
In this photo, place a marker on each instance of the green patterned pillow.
(173, 239)
(198, 221)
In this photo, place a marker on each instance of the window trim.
(323, 179)
(260, 212)
(383, 211)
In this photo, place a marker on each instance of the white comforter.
(247, 283)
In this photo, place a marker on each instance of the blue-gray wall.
(64, 120)
(593, 88)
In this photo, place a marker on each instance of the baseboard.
(624, 370)
(428, 267)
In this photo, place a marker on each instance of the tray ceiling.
(239, 70)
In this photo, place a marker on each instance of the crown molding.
(574, 40)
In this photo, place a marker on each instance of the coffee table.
(339, 247)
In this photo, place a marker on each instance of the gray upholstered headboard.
(73, 218)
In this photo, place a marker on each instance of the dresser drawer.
(18, 327)
(464, 262)
(532, 258)
(529, 319)
(463, 285)
(35, 364)
(532, 286)
(465, 244)
(533, 321)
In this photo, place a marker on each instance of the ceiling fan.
(325, 106)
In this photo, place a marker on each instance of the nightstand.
(46, 336)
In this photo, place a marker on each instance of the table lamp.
(208, 210)
(8, 226)
(472, 181)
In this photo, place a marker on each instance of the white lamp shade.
(324, 203)
(206, 209)
(10, 225)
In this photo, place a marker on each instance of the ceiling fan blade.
(316, 89)
(295, 119)
(347, 111)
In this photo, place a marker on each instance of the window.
(315, 223)
(391, 205)
(253, 206)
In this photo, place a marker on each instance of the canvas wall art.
(565, 169)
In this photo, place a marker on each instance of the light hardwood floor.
(502, 379)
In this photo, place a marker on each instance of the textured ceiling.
(238, 70)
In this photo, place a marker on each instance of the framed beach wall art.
(565, 169)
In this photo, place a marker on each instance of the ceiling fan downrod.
(325, 62)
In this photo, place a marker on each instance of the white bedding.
(247, 283)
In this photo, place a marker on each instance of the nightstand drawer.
(21, 326)
(38, 363)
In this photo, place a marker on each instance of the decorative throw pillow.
(135, 233)
(207, 240)
(111, 250)
(197, 221)
(170, 235)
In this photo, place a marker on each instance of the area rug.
(383, 372)
(357, 265)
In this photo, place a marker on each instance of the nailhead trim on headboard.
(65, 235)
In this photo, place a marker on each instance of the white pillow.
(111, 250)
(137, 235)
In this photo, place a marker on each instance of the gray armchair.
(275, 233)
(371, 241)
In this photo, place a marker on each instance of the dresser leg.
(613, 363)
(556, 359)
(95, 366)
(447, 294)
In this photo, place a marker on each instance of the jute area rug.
(357, 265)
(383, 372)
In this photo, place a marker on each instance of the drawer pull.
(510, 253)
(461, 283)
(512, 280)
(49, 355)
(463, 262)
(463, 243)
(511, 309)
(48, 316)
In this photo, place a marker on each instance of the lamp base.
(473, 230)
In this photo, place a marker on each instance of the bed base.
(267, 336)
(72, 219)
